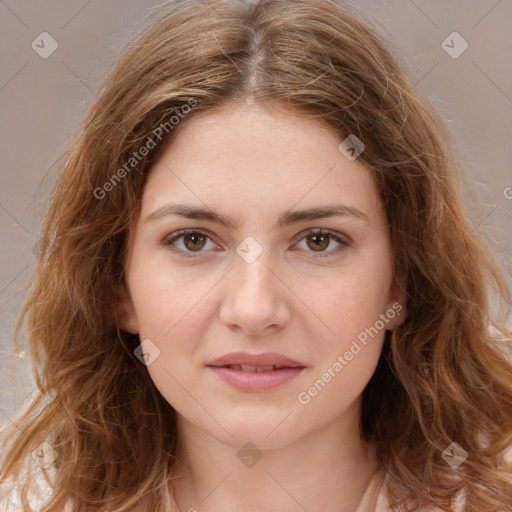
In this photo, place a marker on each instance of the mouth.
(252, 368)
(255, 372)
(245, 361)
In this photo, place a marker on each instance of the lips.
(254, 362)
(255, 372)
(252, 368)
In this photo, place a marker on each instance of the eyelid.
(340, 238)
(169, 239)
(343, 240)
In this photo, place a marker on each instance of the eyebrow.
(286, 218)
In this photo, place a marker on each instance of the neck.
(326, 470)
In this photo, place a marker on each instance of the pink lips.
(255, 372)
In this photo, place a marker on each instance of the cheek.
(350, 306)
(332, 392)
(357, 314)
(173, 311)
(166, 298)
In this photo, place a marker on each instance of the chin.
(265, 431)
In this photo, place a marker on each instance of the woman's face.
(251, 285)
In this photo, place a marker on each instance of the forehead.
(252, 160)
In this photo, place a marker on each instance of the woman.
(257, 289)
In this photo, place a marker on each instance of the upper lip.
(266, 359)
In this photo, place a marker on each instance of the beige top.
(374, 498)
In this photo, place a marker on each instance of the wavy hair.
(443, 375)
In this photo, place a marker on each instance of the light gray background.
(43, 100)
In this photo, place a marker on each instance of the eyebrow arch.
(286, 218)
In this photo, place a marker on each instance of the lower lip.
(256, 381)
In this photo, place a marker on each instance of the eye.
(193, 241)
(320, 239)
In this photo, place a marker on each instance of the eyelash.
(344, 242)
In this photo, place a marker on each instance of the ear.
(397, 306)
(125, 312)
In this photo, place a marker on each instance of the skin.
(253, 164)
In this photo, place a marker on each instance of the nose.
(256, 299)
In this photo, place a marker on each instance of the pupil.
(194, 237)
(322, 238)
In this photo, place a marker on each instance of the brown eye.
(318, 242)
(194, 241)
(322, 243)
(189, 243)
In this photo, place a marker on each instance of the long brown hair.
(442, 377)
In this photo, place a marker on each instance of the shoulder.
(38, 496)
(382, 503)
